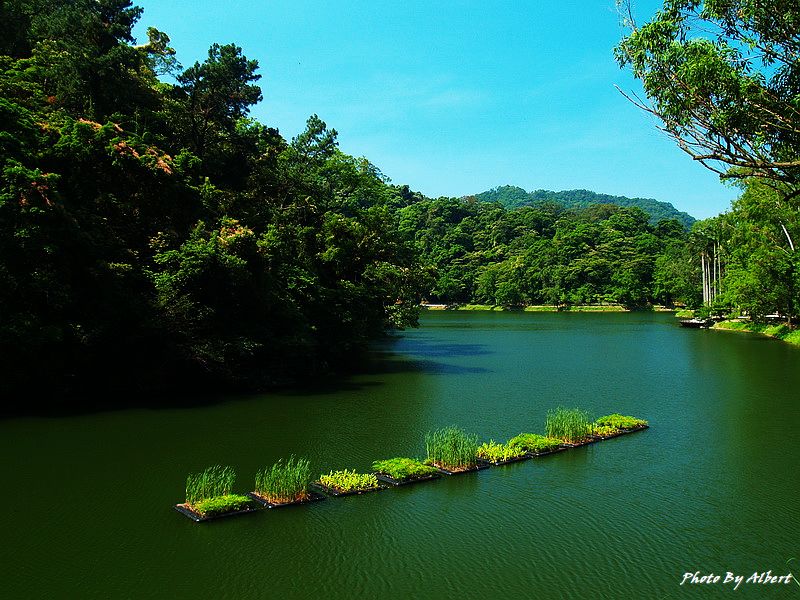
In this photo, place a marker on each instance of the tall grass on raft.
(568, 424)
(211, 483)
(284, 482)
(451, 447)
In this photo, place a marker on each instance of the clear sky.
(455, 97)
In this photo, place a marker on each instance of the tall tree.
(217, 94)
(723, 77)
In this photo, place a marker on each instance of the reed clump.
(212, 482)
(208, 493)
(572, 425)
(451, 448)
(284, 482)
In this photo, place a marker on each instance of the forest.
(512, 196)
(153, 236)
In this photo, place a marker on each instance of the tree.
(762, 274)
(723, 77)
(217, 93)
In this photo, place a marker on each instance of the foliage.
(284, 481)
(403, 468)
(759, 233)
(534, 442)
(723, 77)
(211, 483)
(154, 237)
(349, 481)
(514, 197)
(605, 430)
(222, 504)
(494, 452)
(618, 421)
(485, 254)
(568, 424)
(451, 448)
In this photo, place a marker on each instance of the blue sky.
(453, 98)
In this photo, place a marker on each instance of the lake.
(712, 486)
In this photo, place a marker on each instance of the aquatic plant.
(451, 448)
(605, 430)
(403, 468)
(620, 422)
(568, 424)
(349, 481)
(535, 443)
(284, 481)
(213, 482)
(222, 504)
(494, 452)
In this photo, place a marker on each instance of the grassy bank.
(533, 308)
(779, 331)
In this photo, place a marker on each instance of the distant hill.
(512, 197)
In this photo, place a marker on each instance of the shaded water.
(711, 486)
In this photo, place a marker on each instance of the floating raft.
(334, 492)
(508, 461)
(198, 518)
(312, 497)
(478, 467)
(395, 482)
(623, 432)
(548, 452)
(319, 491)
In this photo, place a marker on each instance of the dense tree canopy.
(513, 197)
(723, 76)
(152, 234)
(549, 255)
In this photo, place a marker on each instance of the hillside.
(512, 197)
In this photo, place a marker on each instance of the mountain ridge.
(512, 196)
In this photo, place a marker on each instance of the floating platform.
(508, 461)
(198, 518)
(312, 497)
(478, 467)
(547, 452)
(336, 493)
(395, 482)
(624, 432)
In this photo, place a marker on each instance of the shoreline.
(779, 332)
(537, 308)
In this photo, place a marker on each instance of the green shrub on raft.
(571, 425)
(494, 452)
(533, 442)
(211, 483)
(620, 422)
(403, 468)
(284, 482)
(222, 504)
(349, 481)
(605, 430)
(451, 448)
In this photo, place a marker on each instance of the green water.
(711, 486)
